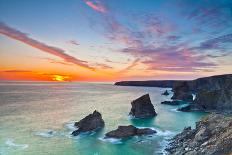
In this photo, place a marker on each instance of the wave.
(111, 140)
(46, 134)
(11, 143)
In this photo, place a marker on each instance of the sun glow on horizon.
(60, 78)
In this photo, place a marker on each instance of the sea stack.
(165, 93)
(182, 92)
(92, 122)
(129, 131)
(142, 107)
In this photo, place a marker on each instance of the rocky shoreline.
(212, 136)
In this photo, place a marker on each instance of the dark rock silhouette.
(129, 131)
(165, 93)
(182, 92)
(172, 102)
(142, 107)
(92, 122)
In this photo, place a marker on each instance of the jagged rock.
(165, 93)
(172, 102)
(92, 122)
(182, 92)
(212, 136)
(129, 131)
(185, 108)
(142, 107)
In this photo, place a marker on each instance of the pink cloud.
(96, 5)
(22, 37)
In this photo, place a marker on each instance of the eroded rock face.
(220, 100)
(212, 136)
(142, 107)
(91, 122)
(129, 131)
(182, 92)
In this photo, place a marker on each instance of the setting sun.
(60, 78)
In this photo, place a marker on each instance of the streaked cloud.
(23, 37)
(16, 71)
(96, 5)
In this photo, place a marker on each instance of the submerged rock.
(142, 107)
(212, 136)
(165, 93)
(129, 131)
(92, 122)
(172, 102)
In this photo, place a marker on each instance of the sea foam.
(11, 143)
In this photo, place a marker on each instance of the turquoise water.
(37, 118)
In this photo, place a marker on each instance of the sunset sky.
(112, 40)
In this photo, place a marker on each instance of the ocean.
(36, 118)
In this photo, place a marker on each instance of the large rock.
(129, 131)
(92, 122)
(182, 92)
(142, 107)
(212, 136)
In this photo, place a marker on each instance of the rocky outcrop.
(92, 122)
(172, 102)
(182, 92)
(142, 107)
(129, 131)
(212, 136)
(165, 93)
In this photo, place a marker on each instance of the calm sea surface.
(37, 119)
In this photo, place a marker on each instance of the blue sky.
(124, 39)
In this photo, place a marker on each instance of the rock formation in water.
(212, 136)
(182, 92)
(142, 107)
(129, 131)
(213, 93)
(165, 93)
(172, 102)
(92, 122)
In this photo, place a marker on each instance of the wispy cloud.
(73, 42)
(216, 43)
(16, 71)
(20, 36)
(96, 5)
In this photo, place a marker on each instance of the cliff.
(207, 83)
